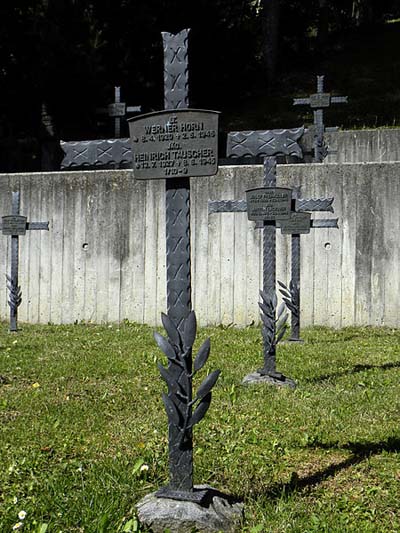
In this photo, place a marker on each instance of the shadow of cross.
(16, 225)
(318, 102)
(269, 261)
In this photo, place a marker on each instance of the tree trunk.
(270, 28)
(362, 12)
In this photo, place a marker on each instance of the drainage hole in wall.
(327, 246)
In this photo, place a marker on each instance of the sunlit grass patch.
(84, 432)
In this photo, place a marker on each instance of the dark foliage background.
(248, 59)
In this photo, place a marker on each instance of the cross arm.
(33, 225)
(324, 223)
(37, 225)
(227, 206)
(314, 204)
(97, 153)
(301, 101)
(134, 109)
(339, 99)
(315, 223)
(240, 206)
(264, 143)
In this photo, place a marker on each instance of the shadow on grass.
(354, 370)
(360, 452)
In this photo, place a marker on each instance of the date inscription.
(268, 203)
(13, 225)
(174, 143)
(298, 223)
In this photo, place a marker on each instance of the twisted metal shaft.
(269, 265)
(15, 292)
(178, 249)
(295, 282)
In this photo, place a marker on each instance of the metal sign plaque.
(118, 109)
(268, 203)
(174, 143)
(298, 223)
(318, 100)
(13, 225)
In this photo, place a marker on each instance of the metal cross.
(179, 298)
(301, 205)
(16, 225)
(177, 144)
(117, 110)
(318, 102)
(269, 250)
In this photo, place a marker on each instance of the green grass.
(81, 413)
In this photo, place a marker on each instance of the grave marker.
(176, 144)
(318, 102)
(118, 110)
(269, 254)
(16, 225)
(185, 130)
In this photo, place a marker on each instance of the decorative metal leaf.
(264, 296)
(208, 384)
(281, 310)
(264, 308)
(171, 329)
(281, 333)
(202, 355)
(172, 411)
(281, 322)
(286, 294)
(167, 377)
(165, 345)
(290, 305)
(189, 330)
(200, 410)
(274, 300)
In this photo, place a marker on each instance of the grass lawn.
(84, 433)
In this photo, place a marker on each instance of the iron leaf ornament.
(291, 297)
(184, 409)
(274, 322)
(15, 293)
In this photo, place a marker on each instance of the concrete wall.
(104, 256)
(353, 146)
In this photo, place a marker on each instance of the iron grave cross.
(16, 225)
(177, 144)
(295, 228)
(318, 102)
(117, 110)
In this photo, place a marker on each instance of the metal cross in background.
(118, 110)
(269, 248)
(302, 205)
(16, 225)
(318, 102)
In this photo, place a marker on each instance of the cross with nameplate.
(177, 144)
(298, 210)
(16, 225)
(296, 226)
(117, 110)
(318, 102)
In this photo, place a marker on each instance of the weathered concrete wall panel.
(356, 146)
(103, 259)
